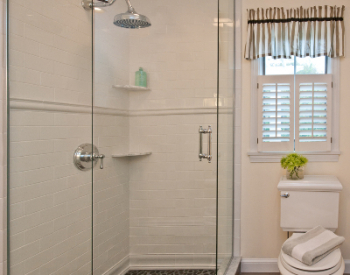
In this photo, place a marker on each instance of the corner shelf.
(131, 88)
(131, 155)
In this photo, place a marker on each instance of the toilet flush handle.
(286, 195)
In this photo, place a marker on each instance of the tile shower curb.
(162, 262)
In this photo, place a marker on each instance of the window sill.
(276, 156)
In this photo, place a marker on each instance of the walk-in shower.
(130, 19)
(154, 205)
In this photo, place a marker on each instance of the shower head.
(131, 19)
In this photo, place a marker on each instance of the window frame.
(333, 68)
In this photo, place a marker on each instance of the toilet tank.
(309, 202)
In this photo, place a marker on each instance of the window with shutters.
(294, 106)
(276, 112)
(313, 122)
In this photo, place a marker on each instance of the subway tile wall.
(172, 194)
(179, 53)
(50, 200)
(51, 77)
(111, 135)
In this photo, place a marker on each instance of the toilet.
(305, 204)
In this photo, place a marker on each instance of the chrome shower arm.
(130, 7)
(88, 4)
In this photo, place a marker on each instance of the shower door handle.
(202, 131)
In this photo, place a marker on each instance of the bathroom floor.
(172, 272)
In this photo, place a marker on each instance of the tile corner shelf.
(131, 88)
(131, 155)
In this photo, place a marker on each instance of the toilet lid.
(328, 262)
(287, 269)
(332, 260)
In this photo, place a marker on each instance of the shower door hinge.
(332, 84)
(257, 141)
(331, 140)
(257, 85)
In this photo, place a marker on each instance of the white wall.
(262, 236)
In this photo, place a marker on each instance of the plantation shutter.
(313, 112)
(275, 113)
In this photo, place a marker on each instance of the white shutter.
(275, 113)
(313, 96)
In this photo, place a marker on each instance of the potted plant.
(294, 163)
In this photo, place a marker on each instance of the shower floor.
(173, 272)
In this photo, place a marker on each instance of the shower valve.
(86, 157)
(101, 157)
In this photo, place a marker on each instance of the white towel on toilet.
(312, 246)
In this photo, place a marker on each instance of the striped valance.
(281, 33)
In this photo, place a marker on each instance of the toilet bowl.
(305, 204)
(332, 264)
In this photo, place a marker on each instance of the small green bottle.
(141, 78)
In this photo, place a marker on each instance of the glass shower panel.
(50, 115)
(226, 135)
(154, 201)
(111, 136)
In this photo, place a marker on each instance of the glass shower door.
(225, 169)
(155, 202)
(50, 115)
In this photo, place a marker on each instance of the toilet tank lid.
(311, 183)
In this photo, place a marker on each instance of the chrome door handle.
(202, 131)
(286, 195)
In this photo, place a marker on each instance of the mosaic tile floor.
(172, 272)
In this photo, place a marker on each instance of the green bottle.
(141, 78)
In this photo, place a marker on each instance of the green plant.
(293, 162)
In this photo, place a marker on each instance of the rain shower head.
(131, 19)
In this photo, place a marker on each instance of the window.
(318, 65)
(293, 106)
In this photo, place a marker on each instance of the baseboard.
(347, 266)
(233, 268)
(258, 265)
(264, 265)
(172, 261)
(119, 268)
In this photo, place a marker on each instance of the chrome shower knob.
(86, 156)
